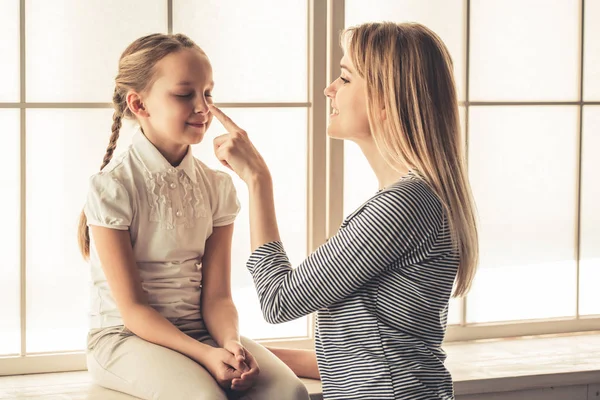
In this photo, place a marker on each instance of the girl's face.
(348, 119)
(177, 103)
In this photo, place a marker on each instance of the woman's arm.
(218, 310)
(389, 228)
(119, 266)
(302, 362)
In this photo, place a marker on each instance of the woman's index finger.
(224, 119)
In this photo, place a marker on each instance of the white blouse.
(170, 212)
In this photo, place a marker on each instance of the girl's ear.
(383, 114)
(136, 106)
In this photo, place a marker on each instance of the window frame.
(324, 184)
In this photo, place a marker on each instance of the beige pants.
(118, 359)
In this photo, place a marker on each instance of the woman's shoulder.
(411, 195)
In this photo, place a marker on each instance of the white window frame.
(324, 185)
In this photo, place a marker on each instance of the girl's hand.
(235, 150)
(223, 366)
(248, 377)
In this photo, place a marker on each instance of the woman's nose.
(329, 90)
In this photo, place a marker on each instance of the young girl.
(382, 284)
(160, 222)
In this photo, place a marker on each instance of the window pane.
(9, 48)
(73, 47)
(64, 148)
(286, 158)
(454, 312)
(446, 18)
(522, 165)
(10, 337)
(591, 73)
(258, 49)
(590, 213)
(515, 55)
(360, 182)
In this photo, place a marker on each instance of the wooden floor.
(477, 368)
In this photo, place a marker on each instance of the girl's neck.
(174, 153)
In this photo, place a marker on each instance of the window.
(529, 112)
(61, 123)
(532, 156)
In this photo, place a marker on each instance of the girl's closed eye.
(185, 95)
(344, 80)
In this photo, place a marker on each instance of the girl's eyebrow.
(188, 83)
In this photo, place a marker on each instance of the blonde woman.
(381, 286)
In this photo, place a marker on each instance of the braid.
(119, 105)
(84, 230)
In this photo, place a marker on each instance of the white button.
(172, 170)
(179, 213)
(173, 186)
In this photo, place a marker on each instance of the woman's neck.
(386, 175)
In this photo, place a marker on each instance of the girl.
(382, 284)
(160, 222)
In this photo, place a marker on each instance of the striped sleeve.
(388, 228)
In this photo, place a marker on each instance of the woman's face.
(348, 119)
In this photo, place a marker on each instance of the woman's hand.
(249, 375)
(235, 150)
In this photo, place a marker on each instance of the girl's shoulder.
(119, 170)
(118, 163)
(212, 177)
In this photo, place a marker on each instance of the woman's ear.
(136, 106)
(383, 114)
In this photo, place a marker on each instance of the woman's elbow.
(274, 314)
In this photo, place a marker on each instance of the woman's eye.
(184, 95)
(344, 80)
(208, 94)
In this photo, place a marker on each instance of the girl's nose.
(201, 106)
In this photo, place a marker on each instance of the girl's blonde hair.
(408, 73)
(136, 72)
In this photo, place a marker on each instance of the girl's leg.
(276, 380)
(119, 360)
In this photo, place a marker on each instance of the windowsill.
(509, 365)
(506, 365)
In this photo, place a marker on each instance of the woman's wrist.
(260, 179)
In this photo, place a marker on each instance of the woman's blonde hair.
(136, 72)
(408, 73)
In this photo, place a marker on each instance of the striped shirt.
(381, 287)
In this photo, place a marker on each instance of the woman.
(382, 284)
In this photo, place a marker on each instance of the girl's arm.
(116, 255)
(218, 310)
(302, 362)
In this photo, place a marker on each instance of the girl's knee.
(299, 391)
(290, 389)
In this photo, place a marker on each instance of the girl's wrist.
(201, 353)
